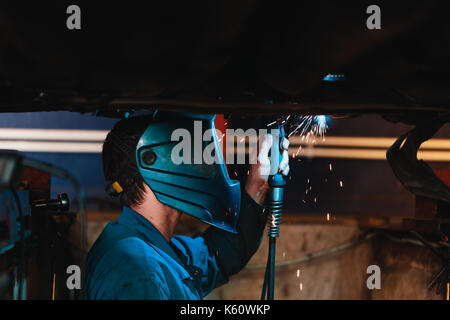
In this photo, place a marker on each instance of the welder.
(137, 256)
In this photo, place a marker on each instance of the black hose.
(271, 286)
(266, 279)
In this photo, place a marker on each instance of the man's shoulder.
(129, 269)
(131, 250)
(116, 247)
(194, 249)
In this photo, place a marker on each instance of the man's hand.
(256, 184)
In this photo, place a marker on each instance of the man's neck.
(161, 216)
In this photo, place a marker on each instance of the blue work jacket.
(132, 260)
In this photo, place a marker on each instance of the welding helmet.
(170, 156)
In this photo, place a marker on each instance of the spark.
(301, 286)
(273, 221)
(328, 216)
(298, 150)
(330, 166)
(309, 127)
(298, 273)
(341, 183)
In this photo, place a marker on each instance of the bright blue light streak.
(334, 77)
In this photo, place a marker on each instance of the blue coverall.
(132, 260)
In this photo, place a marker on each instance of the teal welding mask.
(180, 158)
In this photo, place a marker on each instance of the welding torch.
(277, 183)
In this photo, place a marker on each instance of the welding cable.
(436, 245)
(266, 279)
(344, 246)
(428, 245)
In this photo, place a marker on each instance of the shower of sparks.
(305, 126)
(308, 126)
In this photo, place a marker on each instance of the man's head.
(119, 160)
(138, 154)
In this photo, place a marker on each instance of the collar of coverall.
(148, 232)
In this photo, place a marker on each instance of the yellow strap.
(117, 187)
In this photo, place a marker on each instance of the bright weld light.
(321, 121)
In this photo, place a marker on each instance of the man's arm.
(233, 251)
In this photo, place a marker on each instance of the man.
(138, 257)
